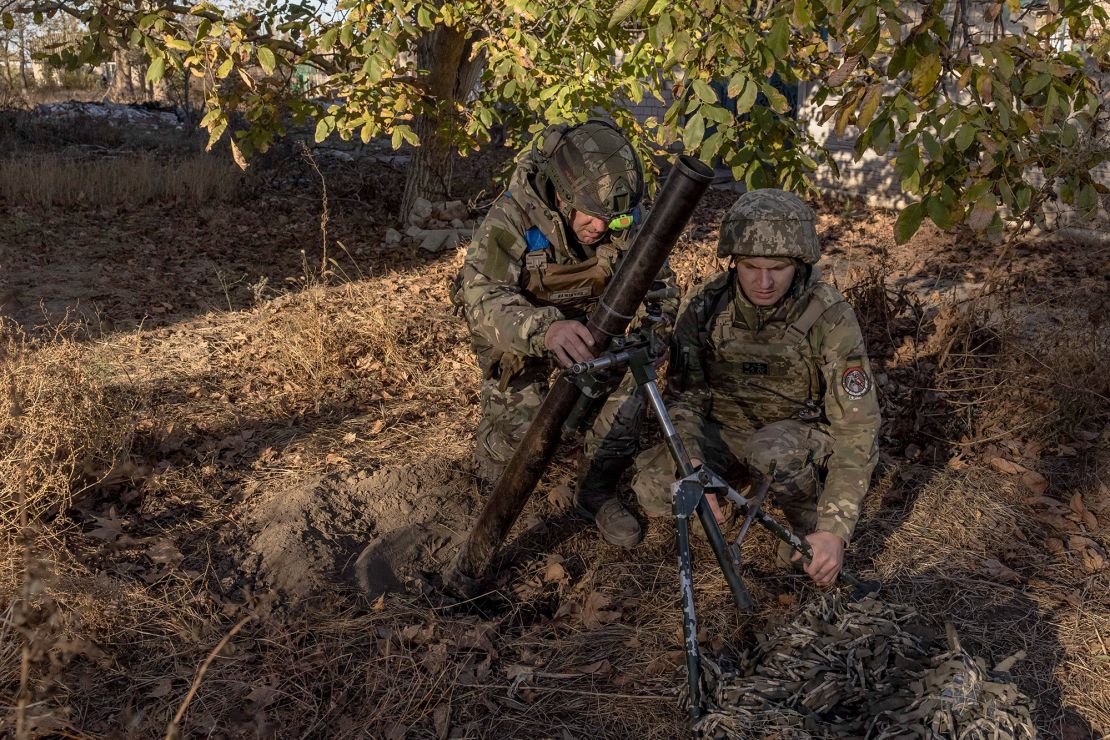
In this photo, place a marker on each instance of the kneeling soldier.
(768, 364)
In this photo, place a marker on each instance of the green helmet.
(593, 168)
(770, 223)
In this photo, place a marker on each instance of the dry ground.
(233, 468)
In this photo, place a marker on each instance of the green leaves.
(693, 132)
(925, 75)
(909, 220)
(156, 70)
(266, 60)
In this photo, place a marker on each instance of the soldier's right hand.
(570, 341)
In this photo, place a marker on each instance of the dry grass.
(66, 427)
(114, 604)
(125, 180)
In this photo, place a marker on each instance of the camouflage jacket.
(503, 316)
(742, 367)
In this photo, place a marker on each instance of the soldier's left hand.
(828, 557)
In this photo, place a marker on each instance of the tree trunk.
(28, 80)
(452, 75)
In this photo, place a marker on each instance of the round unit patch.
(856, 382)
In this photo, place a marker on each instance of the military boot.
(595, 498)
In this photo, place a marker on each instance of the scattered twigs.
(172, 730)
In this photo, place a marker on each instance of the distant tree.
(975, 99)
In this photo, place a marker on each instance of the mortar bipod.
(688, 497)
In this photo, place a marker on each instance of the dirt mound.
(378, 530)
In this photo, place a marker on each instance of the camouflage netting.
(863, 670)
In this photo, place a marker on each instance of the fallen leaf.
(1034, 481)
(379, 603)
(109, 528)
(1076, 504)
(1002, 572)
(561, 498)
(350, 438)
(162, 688)
(786, 599)
(595, 611)
(1093, 561)
(1055, 546)
(165, 553)
(1066, 451)
(441, 717)
(597, 667)
(1002, 465)
(554, 573)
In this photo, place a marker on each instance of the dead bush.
(1003, 370)
(64, 426)
(125, 180)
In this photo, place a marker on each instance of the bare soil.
(282, 468)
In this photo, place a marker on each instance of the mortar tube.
(685, 185)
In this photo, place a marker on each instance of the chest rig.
(766, 373)
(572, 288)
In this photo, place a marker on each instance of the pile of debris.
(148, 115)
(864, 669)
(434, 227)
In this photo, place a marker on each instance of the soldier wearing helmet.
(536, 267)
(769, 365)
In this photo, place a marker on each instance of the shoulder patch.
(855, 381)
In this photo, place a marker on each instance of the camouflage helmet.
(770, 223)
(593, 168)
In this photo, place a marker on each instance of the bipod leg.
(860, 587)
(644, 373)
(683, 503)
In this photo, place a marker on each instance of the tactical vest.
(759, 376)
(572, 288)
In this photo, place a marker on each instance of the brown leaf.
(441, 717)
(163, 687)
(1078, 542)
(1076, 504)
(379, 603)
(560, 498)
(1002, 572)
(1066, 451)
(109, 528)
(1089, 520)
(165, 552)
(843, 72)
(786, 599)
(601, 667)
(1002, 465)
(1093, 561)
(554, 573)
(1055, 545)
(595, 611)
(1074, 598)
(1034, 481)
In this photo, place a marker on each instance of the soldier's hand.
(570, 341)
(828, 557)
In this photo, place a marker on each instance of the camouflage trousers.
(506, 415)
(799, 451)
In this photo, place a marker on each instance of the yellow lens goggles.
(622, 222)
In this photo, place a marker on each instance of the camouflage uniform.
(524, 271)
(789, 383)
